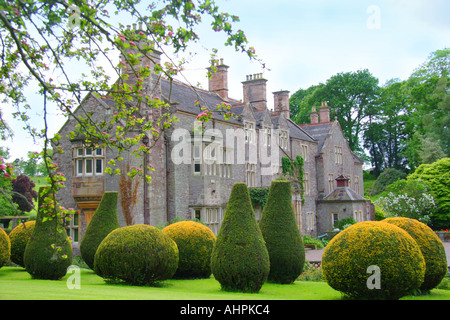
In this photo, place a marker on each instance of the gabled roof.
(319, 132)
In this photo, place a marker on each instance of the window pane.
(79, 167)
(99, 151)
(99, 166)
(88, 166)
(80, 152)
(88, 151)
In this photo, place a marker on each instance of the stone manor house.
(253, 143)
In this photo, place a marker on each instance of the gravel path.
(316, 255)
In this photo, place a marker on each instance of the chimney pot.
(324, 112)
(218, 82)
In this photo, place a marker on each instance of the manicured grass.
(17, 284)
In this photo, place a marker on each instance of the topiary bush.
(48, 253)
(431, 247)
(281, 234)
(19, 237)
(5, 248)
(240, 261)
(348, 256)
(103, 221)
(195, 243)
(138, 254)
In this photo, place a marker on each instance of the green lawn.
(16, 283)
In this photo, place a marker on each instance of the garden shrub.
(431, 247)
(138, 254)
(103, 221)
(240, 261)
(387, 177)
(348, 256)
(19, 237)
(48, 253)
(5, 248)
(281, 234)
(195, 243)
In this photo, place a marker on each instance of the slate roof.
(319, 132)
(183, 97)
(343, 194)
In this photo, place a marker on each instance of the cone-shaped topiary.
(103, 221)
(19, 237)
(48, 252)
(431, 246)
(138, 254)
(281, 234)
(373, 260)
(240, 261)
(5, 248)
(195, 243)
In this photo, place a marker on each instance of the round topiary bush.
(240, 261)
(431, 247)
(195, 243)
(351, 260)
(281, 234)
(103, 221)
(19, 237)
(138, 254)
(5, 248)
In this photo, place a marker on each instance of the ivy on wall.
(259, 196)
(294, 172)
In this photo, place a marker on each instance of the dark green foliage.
(240, 261)
(387, 177)
(138, 254)
(48, 252)
(103, 221)
(259, 196)
(281, 234)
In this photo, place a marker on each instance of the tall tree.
(350, 95)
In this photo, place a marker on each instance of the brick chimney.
(281, 103)
(218, 82)
(324, 111)
(255, 91)
(314, 116)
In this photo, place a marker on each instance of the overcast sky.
(304, 43)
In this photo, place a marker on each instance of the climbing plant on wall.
(294, 172)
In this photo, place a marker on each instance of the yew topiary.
(431, 247)
(48, 253)
(19, 237)
(5, 248)
(138, 254)
(195, 243)
(281, 234)
(103, 221)
(240, 261)
(373, 260)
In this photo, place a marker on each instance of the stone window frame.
(332, 218)
(250, 132)
(250, 169)
(306, 184)
(284, 139)
(304, 148)
(338, 155)
(310, 221)
(330, 182)
(80, 161)
(267, 136)
(72, 227)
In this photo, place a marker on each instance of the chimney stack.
(281, 103)
(255, 91)
(324, 111)
(218, 81)
(314, 116)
